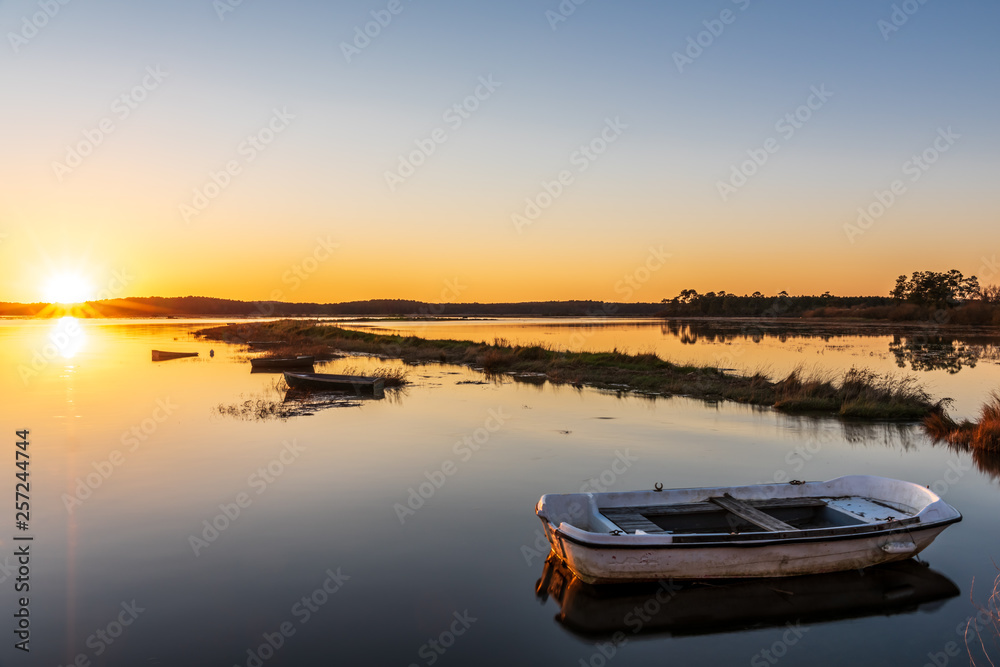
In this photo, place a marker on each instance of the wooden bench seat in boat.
(630, 519)
(751, 514)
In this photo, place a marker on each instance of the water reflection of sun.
(66, 338)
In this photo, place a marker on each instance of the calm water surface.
(131, 458)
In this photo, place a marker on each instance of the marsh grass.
(987, 622)
(393, 377)
(982, 435)
(858, 394)
(257, 408)
(294, 404)
(321, 351)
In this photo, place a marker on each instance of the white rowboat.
(765, 530)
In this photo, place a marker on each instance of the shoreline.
(857, 395)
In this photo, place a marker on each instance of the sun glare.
(68, 288)
(68, 337)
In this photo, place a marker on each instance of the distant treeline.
(944, 297)
(690, 303)
(207, 306)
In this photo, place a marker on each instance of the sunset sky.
(267, 149)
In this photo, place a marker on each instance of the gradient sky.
(656, 186)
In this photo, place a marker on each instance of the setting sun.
(67, 288)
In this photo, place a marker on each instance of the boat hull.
(160, 355)
(262, 344)
(324, 382)
(602, 565)
(278, 363)
(850, 522)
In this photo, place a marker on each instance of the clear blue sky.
(657, 184)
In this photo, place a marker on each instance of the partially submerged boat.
(765, 530)
(262, 344)
(161, 355)
(302, 361)
(359, 384)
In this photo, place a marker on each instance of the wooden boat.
(692, 608)
(160, 355)
(261, 344)
(359, 384)
(766, 530)
(283, 362)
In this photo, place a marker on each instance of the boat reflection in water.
(690, 608)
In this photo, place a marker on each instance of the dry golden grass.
(983, 435)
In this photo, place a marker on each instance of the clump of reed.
(983, 435)
(864, 393)
(860, 394)
(392, 376)
(255, 409)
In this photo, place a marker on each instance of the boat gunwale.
(743, 540)
(916, 520)
(301, 360)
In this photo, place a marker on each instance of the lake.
(171, 525)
